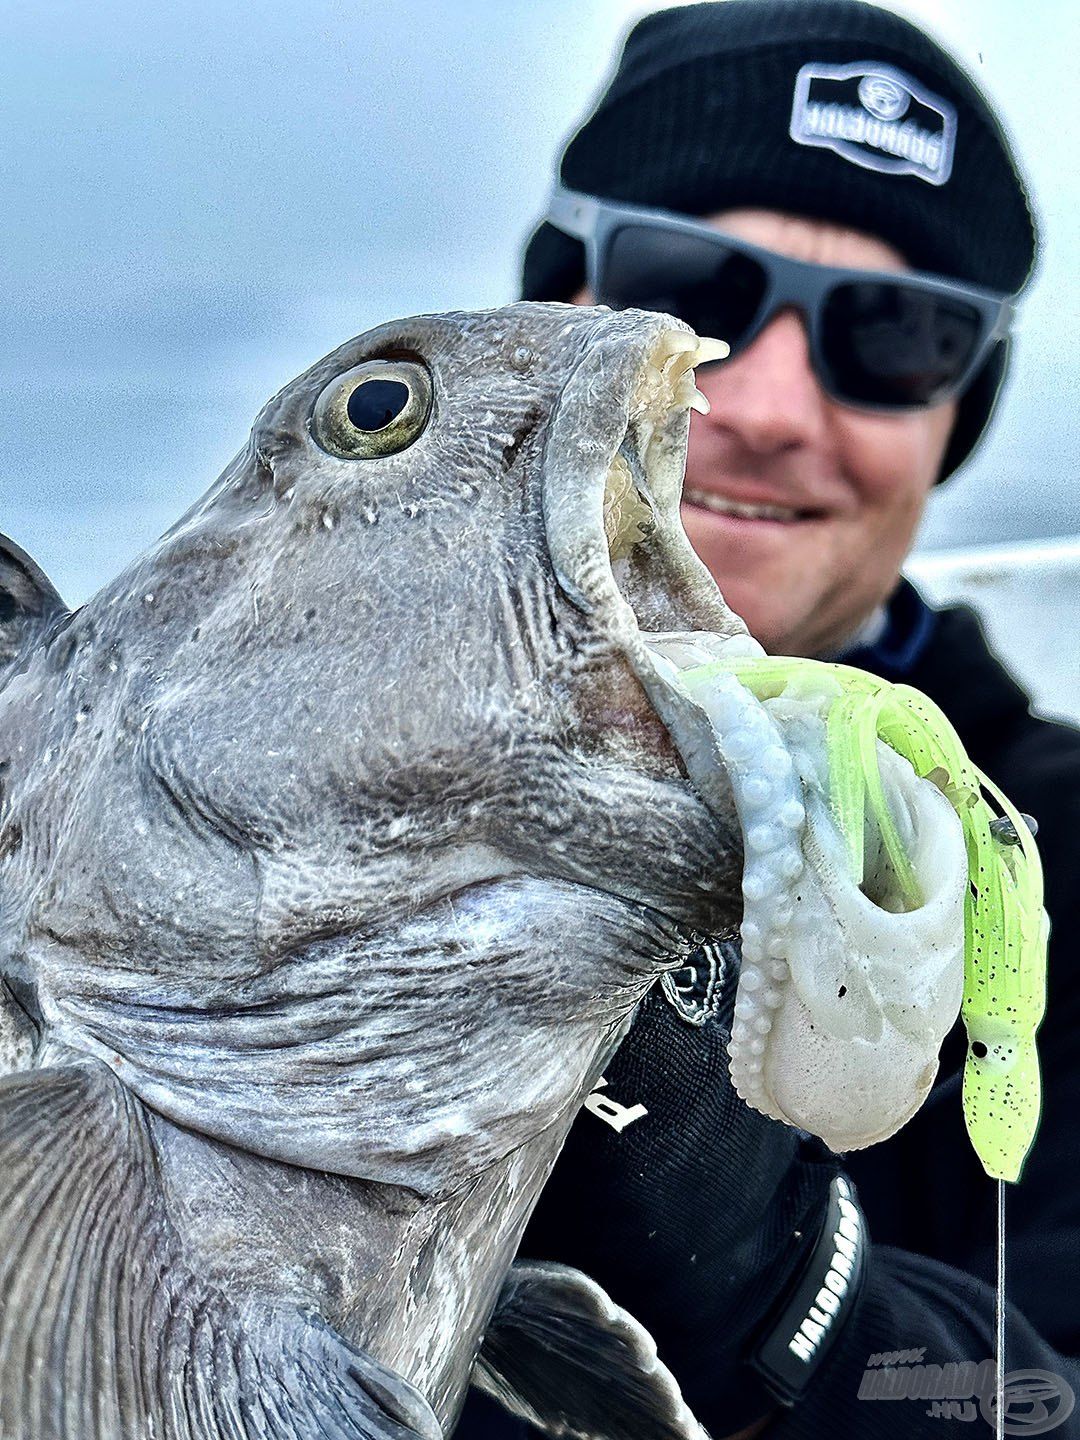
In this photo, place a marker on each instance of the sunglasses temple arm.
(573, 214)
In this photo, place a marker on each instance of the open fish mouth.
(613, 478)
(846, 988)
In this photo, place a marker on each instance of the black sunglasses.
(878, 340)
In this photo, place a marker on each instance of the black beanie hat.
(699, 116)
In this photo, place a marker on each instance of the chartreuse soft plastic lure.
(1005, 925)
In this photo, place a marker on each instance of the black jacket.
(930, 1209)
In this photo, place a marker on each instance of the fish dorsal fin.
(106, 1333)
(561, 1354)
(29, 604)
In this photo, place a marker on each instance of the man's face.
(803, 509)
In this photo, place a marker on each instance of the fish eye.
(374, 409)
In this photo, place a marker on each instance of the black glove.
(697, 1216)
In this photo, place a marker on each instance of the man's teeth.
(720, 506)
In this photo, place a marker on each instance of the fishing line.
(999, 1317)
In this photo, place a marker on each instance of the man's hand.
(695, 1212)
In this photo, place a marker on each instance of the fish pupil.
(375, 403)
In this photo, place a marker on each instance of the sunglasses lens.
(886, 343)
(715, 290)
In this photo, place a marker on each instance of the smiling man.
(819, 184)
(802, 506)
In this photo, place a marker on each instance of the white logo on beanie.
(876, 117)
(883, 97)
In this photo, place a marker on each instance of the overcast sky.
(201, 199)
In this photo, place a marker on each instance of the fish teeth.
(710, 349)
(627, 515)
(664, 390)
(667, 381)
(665, 384)
(687, 393)
(672, 344)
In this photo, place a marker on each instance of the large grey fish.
(338, 842)
(339, 838)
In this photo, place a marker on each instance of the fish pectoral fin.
(108, 1331)
(29, 605)
(561, 1354)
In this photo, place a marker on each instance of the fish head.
(354, 819)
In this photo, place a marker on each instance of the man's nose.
(768, 396)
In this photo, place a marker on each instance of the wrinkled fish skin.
(338, 841)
